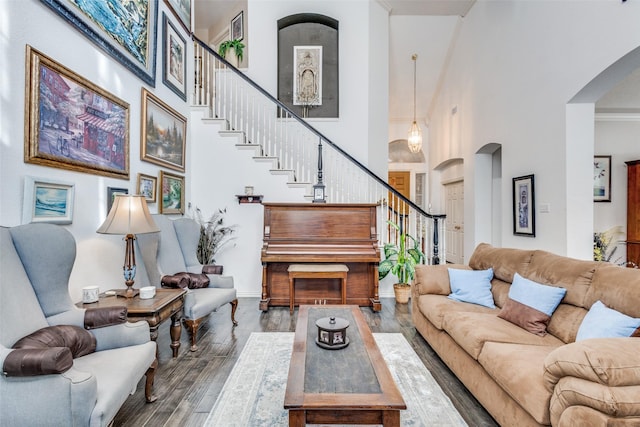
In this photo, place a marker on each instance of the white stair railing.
(265, 122)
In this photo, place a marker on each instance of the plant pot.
(231, 57)
(402, 292)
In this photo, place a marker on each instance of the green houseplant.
(236, 45)
(401, 259)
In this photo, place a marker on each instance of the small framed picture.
(174, 59)
(237, 27)
(602, 178)
(171, 193)
(147, 185)
(524, 211)
(47, 201)
(112, 192)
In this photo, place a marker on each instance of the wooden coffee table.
(348, 386)
(167, 303)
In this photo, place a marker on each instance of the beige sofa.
(524, 379)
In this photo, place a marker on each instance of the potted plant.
(401, 259)
(235, 45)
(214, 235)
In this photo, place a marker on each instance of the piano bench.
(317, 271)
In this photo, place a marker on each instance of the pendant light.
(414, 140)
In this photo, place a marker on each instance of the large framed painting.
(182, 10)
(602, 178)
(126, 30)
(174, 59)
(164, 130)
(307, 75)
(47, 201)
(171, 193)
(237, 27)
(71, 123)
(524, 211)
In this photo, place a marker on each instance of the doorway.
(401, 181)
(454, 232)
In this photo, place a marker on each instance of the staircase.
(293, 148)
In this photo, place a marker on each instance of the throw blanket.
(185, 280)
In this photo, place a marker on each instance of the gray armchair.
(35, 263)
(173, 250)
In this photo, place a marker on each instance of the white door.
(454, 193)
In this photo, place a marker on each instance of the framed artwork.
(171, 193)
(524, 211)
(307, 75)
(72, 123)
(147, 187)
(182, 10)
(112, 192)
(174, 59)
(47, 201)
(237, 27)
(126, 32)
(602, 178)
(163, 133)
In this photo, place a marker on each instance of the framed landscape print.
(164, 130)
(182, 10)
(147, 185)
(72, 123)
(47, 201)
(602, 178)
(112, 192)
(524, 211)
(125, 30)
(171, 193)
(174, 59)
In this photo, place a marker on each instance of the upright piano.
(298, 233)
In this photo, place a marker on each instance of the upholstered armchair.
(57, 369)
(171, 252)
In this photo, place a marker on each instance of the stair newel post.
(436, 258)
(318, 189)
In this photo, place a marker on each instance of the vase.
(402, 292)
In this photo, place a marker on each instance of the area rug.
(253, 394)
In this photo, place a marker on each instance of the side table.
(167, 303)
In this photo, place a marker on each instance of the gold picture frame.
(146, 186)
(171, 189)
(163, 133)
(71, 123)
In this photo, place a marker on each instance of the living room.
(523, 76)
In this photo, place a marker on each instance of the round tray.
(333, 347)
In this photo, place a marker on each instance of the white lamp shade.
(128, 215)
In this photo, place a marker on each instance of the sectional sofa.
(546, 377)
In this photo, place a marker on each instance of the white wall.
(351, 130)
(617, 136)
(100, 257)
(515, 67)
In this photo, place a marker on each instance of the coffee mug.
(90, 294)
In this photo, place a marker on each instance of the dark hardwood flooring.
(187, 386)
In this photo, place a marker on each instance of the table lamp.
(129, 215)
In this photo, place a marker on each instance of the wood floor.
(187, 386)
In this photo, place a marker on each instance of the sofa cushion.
(500, 291)
(518, 369)
(434, 279)
(530, 304)
(434, 308)
(471, 331)
(565, 322)
(617, 288)
(472, 286)
(604, 322)
(505, 262)
(78, 340)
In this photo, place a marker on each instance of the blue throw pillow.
(472, 286)
(543, 298)
(604, 322)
